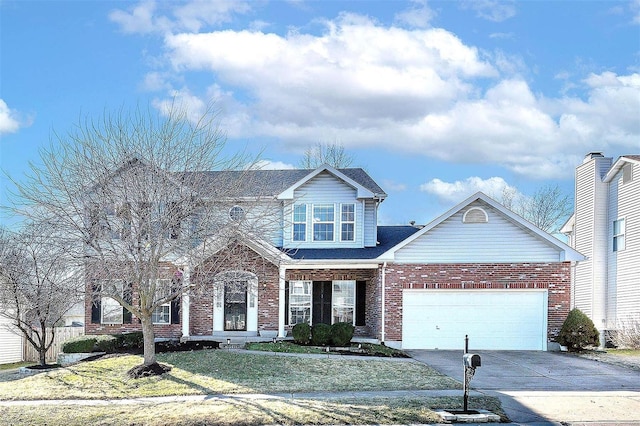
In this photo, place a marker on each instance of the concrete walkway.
(548, 387)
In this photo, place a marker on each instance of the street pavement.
(548, 387)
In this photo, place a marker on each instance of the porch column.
(186, 283)
(281, 296)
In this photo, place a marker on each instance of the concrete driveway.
(548, 387)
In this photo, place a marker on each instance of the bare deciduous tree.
(332, 154)
(138, 191)
(39, 283)
(547, 208)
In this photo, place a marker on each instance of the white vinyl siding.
(624, 266)
(370, 223)
(498, 240)
(11, 347)
(325, 189)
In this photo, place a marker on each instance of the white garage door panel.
(507, 320)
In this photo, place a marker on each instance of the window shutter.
(361, 300)
(126, 315)
(286, 303)
(175, 311)
(96, 308)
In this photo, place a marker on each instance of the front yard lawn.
(219, 371)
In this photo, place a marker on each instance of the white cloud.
(419, 15)
(492, 10)
(9, 119)
(422, 92)
(453, 192)
(147, 16)
(272, 165)
(390, 185)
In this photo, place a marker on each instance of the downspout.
(384, 302)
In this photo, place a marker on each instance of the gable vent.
(475, 215)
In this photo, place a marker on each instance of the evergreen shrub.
(80, 344)
(578, 332)
(301, 333)
(342, 333)
(321, 334)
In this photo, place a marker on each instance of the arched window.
(475, 215)
(236, 213)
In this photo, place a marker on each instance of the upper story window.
(323, 222)
(300, 222)
(347, 222)
(618, 235)
(236, 213)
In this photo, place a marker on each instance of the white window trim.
(111, 302)
(619, 236)
(305, 222)
(353, 222)
(313, 222)
(310, 300)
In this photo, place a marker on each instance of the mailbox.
(471, 360)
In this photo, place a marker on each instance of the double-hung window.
(323, 222)
(618, 235)
(343, 301)
(300, 222)
(162, 314)
(347, 222)
(112, 312)
(300, 302)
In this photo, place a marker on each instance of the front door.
(235, 306)
(322, 302)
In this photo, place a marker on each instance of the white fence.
(62, 335)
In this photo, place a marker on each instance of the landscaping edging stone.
(68, 359)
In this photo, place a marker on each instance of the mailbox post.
(470, 363)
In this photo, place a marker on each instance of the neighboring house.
(12, 343)
(478, 269)
(605, 227)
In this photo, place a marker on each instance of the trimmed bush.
(132, 340)
(301, 333)
(342, 333)
(79, 344)
(578, 332)
(321, 334)
(107, 343)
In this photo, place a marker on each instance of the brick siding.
(555, 277)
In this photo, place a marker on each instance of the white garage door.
(506, 320)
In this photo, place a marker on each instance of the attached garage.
(493, 319)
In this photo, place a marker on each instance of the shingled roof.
(265, 183)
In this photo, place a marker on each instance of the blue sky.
(435, 99)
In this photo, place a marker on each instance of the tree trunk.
(149, 341)
(42, 348)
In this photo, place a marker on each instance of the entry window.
(112, 312)
(300, 302)
(347, 222)
(162, 313)
(323, 218)
(618, 235)
(300, 222)
(343, 301)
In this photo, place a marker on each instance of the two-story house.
(478, 269)
(605, 227)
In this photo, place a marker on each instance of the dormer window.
(300, 222)
(236, 213)
(475, 215)
(323, 218)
